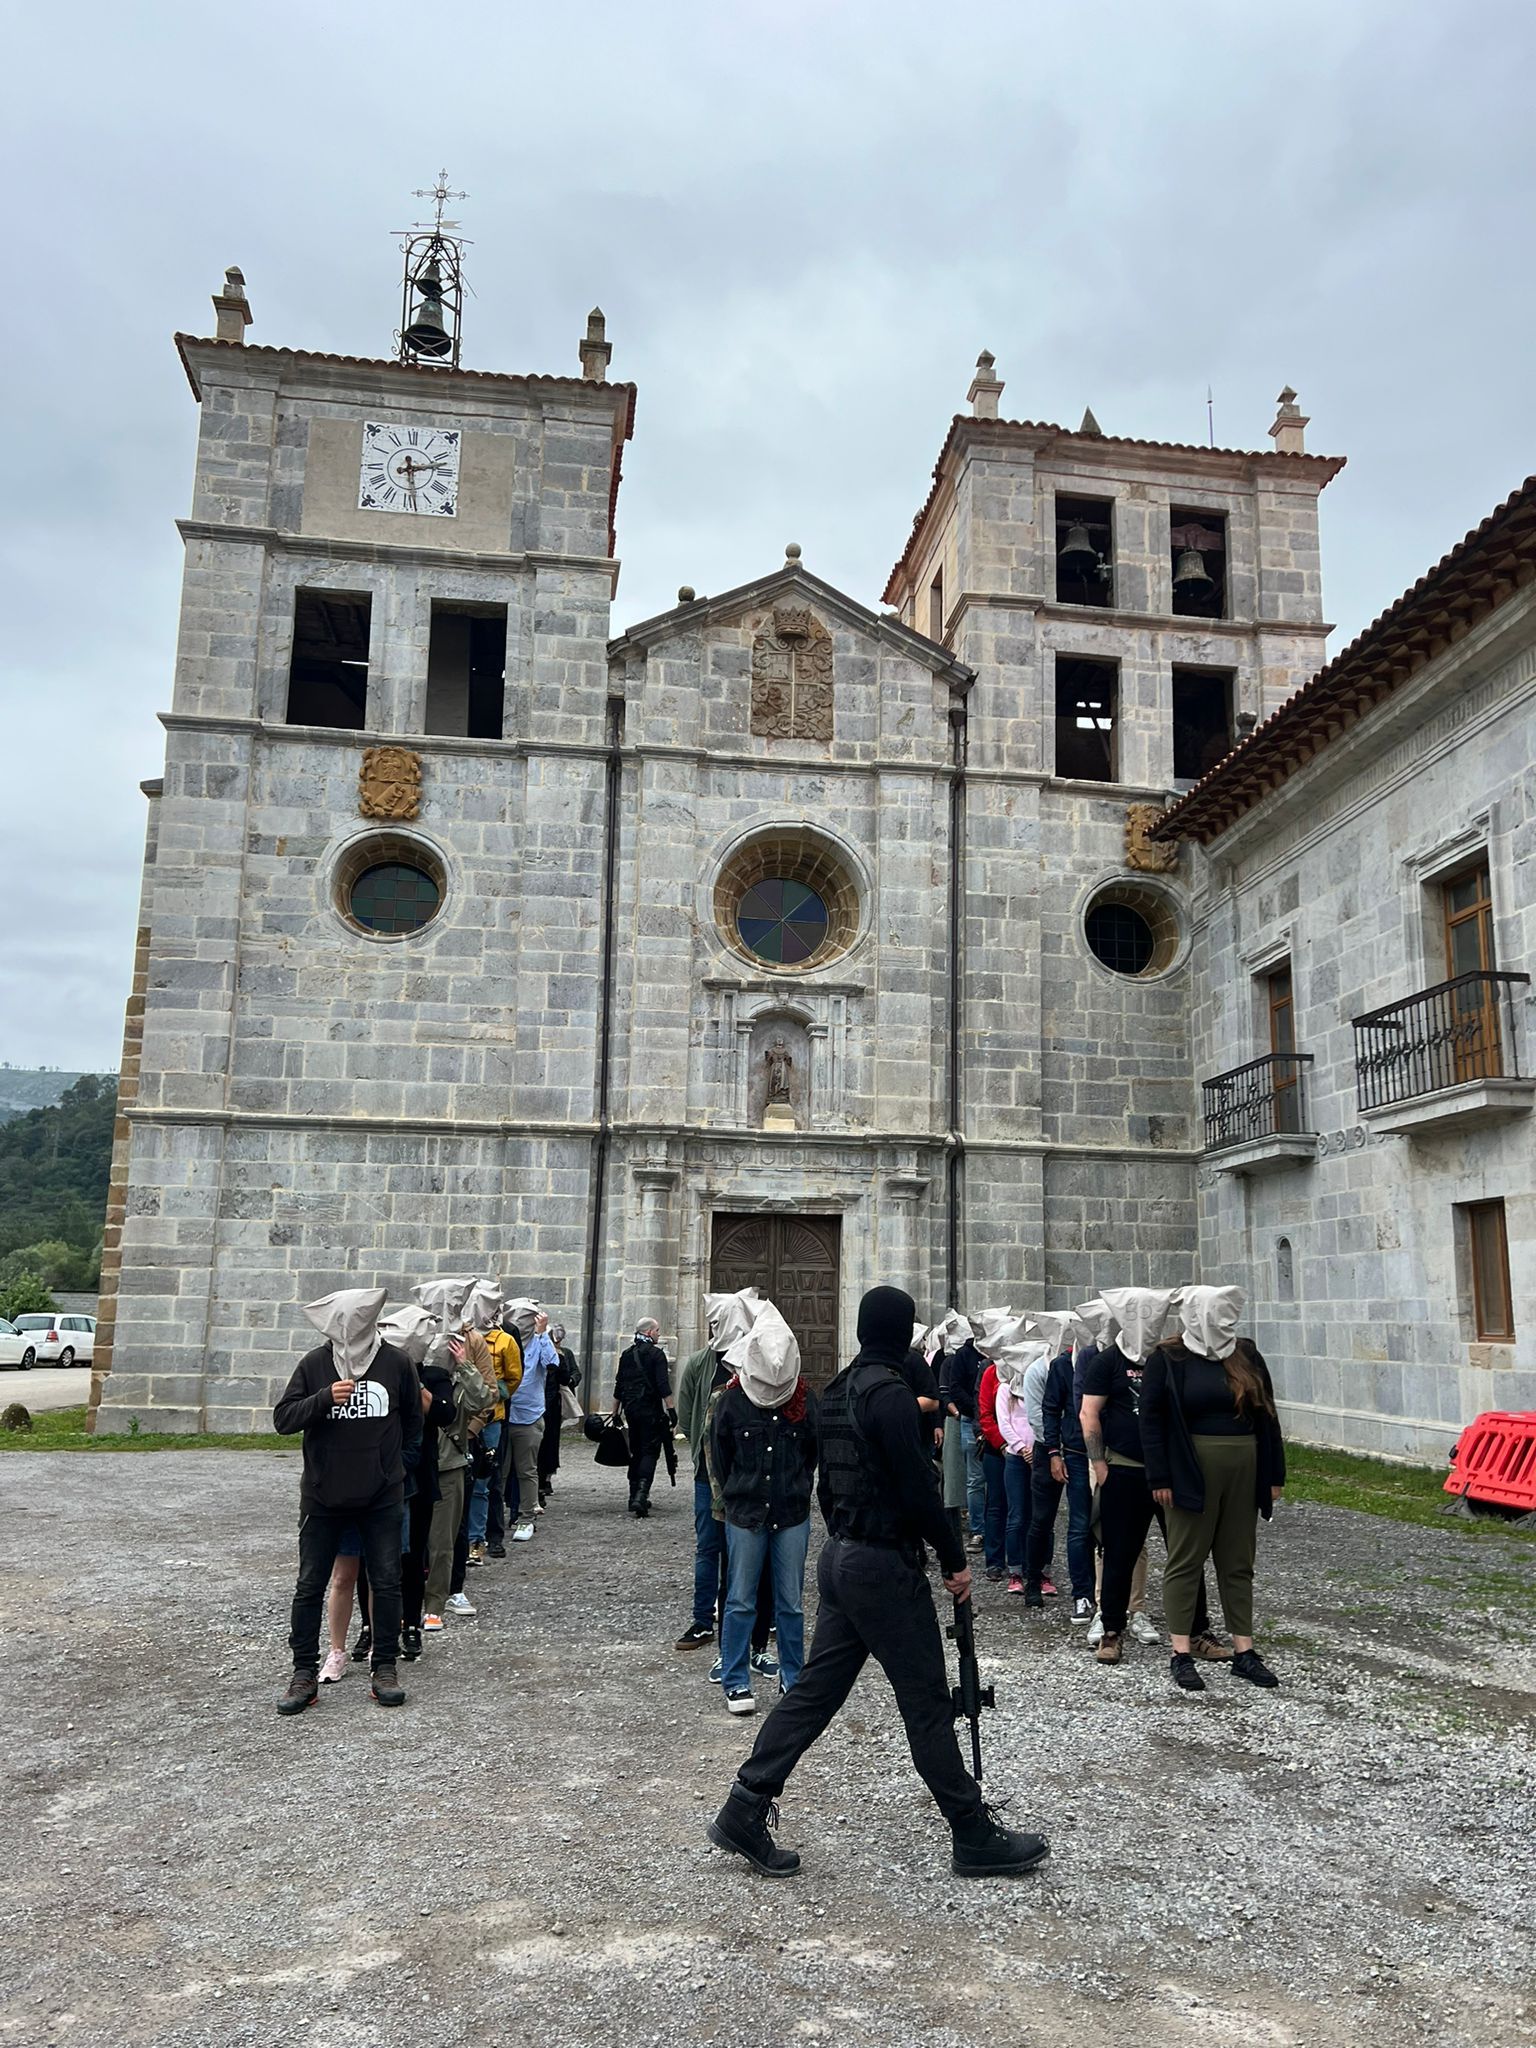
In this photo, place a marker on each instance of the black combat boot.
(303, 1691)
(742, 1826)
(387, 1689)
(985, 1848)
(410, 1643)
(363, 1644)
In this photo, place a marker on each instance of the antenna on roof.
(1210, 415)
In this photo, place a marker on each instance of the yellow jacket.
(507, 1362)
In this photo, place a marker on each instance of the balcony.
(1443, 1060)
(1256, 1116)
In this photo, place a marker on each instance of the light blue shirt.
(527, 1404)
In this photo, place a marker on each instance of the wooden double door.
(794, 1260)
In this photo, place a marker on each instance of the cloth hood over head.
(1098, 1319)
(886, 1316)
(444, 1300)
(1014, 1360)
(767, 1359)
(951, 1331)
(1140, 1313)
(409, 1328)
(1061, 1329)
(522, 1312)
(1209, 1316)
(997, 1328)
(728, 1317)
(483, 1305)
(350, 1318)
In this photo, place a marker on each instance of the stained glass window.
(782, 922)
(392, 897)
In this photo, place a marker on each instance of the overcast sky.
(803, 222)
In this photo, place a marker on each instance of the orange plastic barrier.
(1496, 1461)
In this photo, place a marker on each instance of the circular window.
(782, 922)
(787, 901)
(1132, 930)
(389, 886)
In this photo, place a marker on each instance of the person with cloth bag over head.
(643, 1390)
(1215, 1461)
(879, 1492)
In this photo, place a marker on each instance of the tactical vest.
(855, 1494)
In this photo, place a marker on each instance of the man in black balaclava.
(881, 1501)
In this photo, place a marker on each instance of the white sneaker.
(523, 1533)
(457, 1604)
(1096, 1632)
(334, 1669)
(1082, 1612)
(1142, 1630)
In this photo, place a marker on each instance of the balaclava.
(350, 1318)
(1141, 1313)
(886, 1316)
(1209, 1316)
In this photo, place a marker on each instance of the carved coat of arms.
(389, 783)
(792, 676)
(1148, 855)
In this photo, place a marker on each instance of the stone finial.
(231, 307)
(792, 552)
(1090, 425)
(596, 349)
(1289, 431)
(985, 389)
(685, 593)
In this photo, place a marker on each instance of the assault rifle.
(970, 1695)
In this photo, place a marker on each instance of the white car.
(16, 1348)
(60, 1340)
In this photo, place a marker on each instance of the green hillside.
(54, 1164)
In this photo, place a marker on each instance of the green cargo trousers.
(1226, 1531)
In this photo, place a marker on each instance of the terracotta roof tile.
(1473, 579)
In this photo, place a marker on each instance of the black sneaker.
(387, 1689)
(495, 1550)
(410, 1643)
(742, 1826)
(739, 1700)
(1185, 1676)
(695, 1636)
(983, 1847)
(363, 1644)
(303, 1691)
(1250, 1665)
(1033, 1597)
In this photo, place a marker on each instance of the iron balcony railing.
(1460, 1030)
(1265, 1099)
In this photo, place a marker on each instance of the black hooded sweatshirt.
(354, 1457)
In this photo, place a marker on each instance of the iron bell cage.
(431, 300)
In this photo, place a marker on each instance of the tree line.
(54, 1167)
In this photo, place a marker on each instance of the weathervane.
(432, 295)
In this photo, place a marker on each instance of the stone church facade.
(775, 937)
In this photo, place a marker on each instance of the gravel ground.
(520, 1851)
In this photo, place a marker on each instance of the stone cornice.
(282, 541)
(1147, 622)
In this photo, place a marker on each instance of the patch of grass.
(1402, 1493)
(63, 1429)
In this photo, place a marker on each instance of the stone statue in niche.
(781, 1066)
(792, 676)
(778, 1073)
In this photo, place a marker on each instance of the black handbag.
(482, 1458)
(613, 1443)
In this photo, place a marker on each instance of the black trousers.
(497, 1502)
(413, 1566)
(461, 1540)
(549, 1446)
(1126, 1513)
(318, 1538)
(645, 1425)
(874, 1603)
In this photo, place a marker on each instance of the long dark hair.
(1250, 1394)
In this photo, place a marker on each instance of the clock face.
(410, 469)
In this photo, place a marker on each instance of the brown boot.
(303, 1691)
(1109, 1651)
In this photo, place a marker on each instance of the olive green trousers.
(1226, 1531)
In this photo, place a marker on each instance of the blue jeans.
(975, 1477)
(480, 1499)
(708, 1555)
(1047, 1499)
(995, 1526)
(1016, 1493)
(745, 1550)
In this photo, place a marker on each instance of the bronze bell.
(427, 335)
(1078, 553)
(1190, 572)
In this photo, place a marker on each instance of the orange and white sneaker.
(334, 1669)
(431, 1624)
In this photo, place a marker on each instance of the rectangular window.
(328, 672)
(1466, 905)
(1085, 551)
(936, 607)
(1279, 997)
(466, 671)
(1086, 697)
(1197, 551)
(1202, 720)
(1493, 1315)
